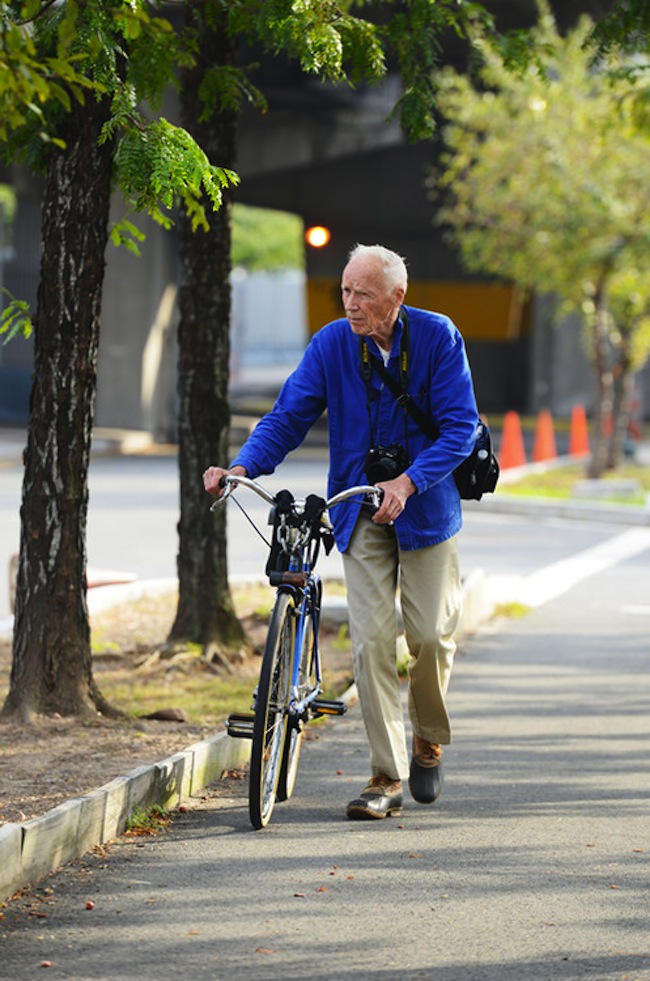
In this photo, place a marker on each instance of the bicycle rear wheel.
(270, 723)
(306, 681)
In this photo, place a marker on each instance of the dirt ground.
(56, 759)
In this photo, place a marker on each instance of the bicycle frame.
(299, 527)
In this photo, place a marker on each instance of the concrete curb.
(32, 850)
(573, 510)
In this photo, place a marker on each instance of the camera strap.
(369, 361)
(398, 390)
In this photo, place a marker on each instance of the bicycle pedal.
(326, 706)
(240, 726)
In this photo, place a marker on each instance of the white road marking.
(554, 580)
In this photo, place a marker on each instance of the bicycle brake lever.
(228, 483)
(377, 497)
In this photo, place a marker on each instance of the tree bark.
(622, 381)
(205, 613)
(603, 406)
(51, 669)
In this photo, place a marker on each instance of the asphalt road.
(532, 865)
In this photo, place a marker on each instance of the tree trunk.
(51, 670)
(622, 380)
(603, 406)
(205, 613)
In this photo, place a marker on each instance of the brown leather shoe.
(426, 773)
(381, 798)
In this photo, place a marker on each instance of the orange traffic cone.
(544, 443)
(579, 435)
(511, 450)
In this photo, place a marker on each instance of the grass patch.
(512, 611)
(560, 483)
(342, 641)
(148, 822)
(205, 698)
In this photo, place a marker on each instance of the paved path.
(533, 864)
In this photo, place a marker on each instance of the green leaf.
(15, 318)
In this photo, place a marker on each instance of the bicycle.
(288, 694)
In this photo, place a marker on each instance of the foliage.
(629, 305)
(326, 39)
(625, 28)
(548, 182)
(549, 179)
(415, 34)
(15, 318)
(122, 51)
(618, 43)
(158, 162)
(351, 43)
(266, 239)
(29, 79)
(7, 213)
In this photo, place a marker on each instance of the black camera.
(385, 462)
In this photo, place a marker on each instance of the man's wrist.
(411, 486)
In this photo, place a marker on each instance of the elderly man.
(409, 544)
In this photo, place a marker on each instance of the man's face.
(370, 306)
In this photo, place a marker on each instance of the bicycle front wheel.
(306, 683)
(270, 723)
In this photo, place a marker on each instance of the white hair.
(392, 264)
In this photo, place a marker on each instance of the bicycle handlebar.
(230, 483)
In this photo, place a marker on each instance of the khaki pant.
(430, 598)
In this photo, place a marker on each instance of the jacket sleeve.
(300, 403)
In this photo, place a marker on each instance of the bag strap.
(403, 398)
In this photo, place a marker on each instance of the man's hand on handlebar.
(213, 478)
(396, 493)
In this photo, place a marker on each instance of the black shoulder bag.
(475, 476)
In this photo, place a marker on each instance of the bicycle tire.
(270, 721)
(293, 741)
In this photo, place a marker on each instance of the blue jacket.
(362, 414)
